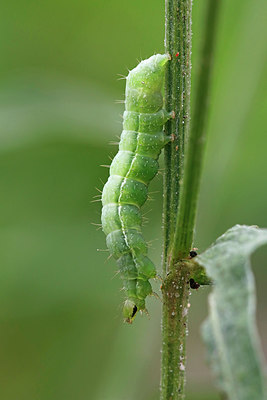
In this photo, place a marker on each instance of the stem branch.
(185, 221)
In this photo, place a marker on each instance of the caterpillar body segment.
(126, 190)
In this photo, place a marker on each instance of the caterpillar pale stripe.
(134, 166)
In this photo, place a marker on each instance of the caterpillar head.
(130, 310)
(144, 85)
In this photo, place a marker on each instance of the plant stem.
(181, 183)
(175, 291)
(185, 221)
(175, 287)
(177, 99)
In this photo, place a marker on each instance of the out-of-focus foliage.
(229, 331)
(61, 331)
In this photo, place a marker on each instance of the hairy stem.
(177, 99)
(181, 181)
(175, 287)
(175, 291)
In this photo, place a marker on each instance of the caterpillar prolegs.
(134, 166)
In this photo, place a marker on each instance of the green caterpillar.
(134, 166)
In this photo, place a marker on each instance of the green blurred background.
(61, 333)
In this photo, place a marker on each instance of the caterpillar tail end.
(130, 310)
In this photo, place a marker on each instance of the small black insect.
(193, 253)
(193, 284)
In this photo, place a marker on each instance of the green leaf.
(230, 331)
